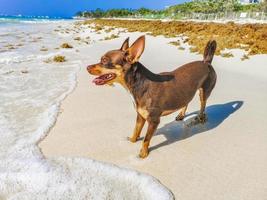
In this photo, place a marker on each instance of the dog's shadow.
(176, 131)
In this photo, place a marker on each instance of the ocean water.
(9, 19)
(31, 90)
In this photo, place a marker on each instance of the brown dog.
(156, 95)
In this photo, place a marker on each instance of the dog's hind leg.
(140, 121)
(204, 93)
(181, 115)
(203, 100)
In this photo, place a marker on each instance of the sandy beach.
(62, 137)
(225, 158)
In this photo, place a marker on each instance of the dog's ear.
(136, 50)
(125, 45)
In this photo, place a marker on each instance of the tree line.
(195, 6)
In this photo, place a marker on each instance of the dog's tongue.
(98, 81)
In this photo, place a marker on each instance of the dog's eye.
(104, 60)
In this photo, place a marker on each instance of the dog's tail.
(209, 51)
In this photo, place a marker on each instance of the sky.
(67, 8)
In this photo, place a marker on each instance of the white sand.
(224, 159)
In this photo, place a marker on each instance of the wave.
(30, 19)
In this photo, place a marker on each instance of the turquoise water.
(7, 20)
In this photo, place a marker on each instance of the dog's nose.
(89, 68)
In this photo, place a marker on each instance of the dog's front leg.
(140, 121)
(153, 123)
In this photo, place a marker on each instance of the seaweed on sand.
(59, 58)
(113, 36)
(227, 55)
(44, 49)
(245, 57)
(175, 43)
(66, 46)
(249, 37)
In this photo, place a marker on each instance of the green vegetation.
(180, 10)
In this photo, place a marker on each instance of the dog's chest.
(143, 112)
(134, 103)
(132, 98)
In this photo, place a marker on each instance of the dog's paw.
(143, 153)
(179, 117)
(133, 140)
(201, 118)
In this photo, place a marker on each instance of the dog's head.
(114, 64)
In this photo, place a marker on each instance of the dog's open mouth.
(103, 79)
